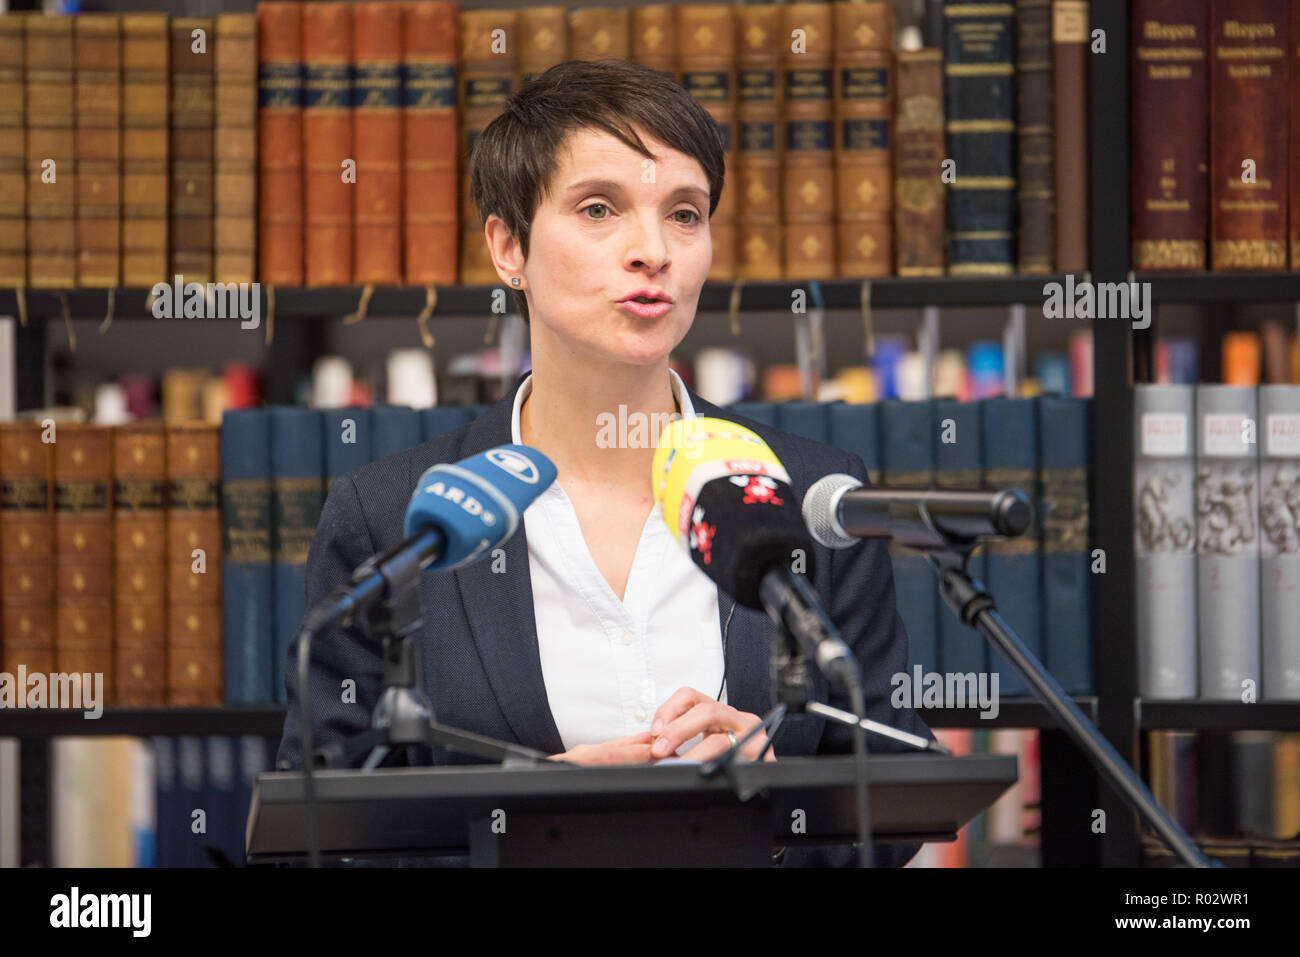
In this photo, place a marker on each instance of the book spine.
(280, 143)
(83, 551)
(863, 99)
(853, 427)
(327, 144)
(51, 153)
(764, 412)
(430, 167)
(1293, 33)
(1070, 132)
(706, 45)
(959, 464)
(1164, 539)
(907, 461)
(396, 429)
(194, 652)
(807, 143)
(234, 210)
(98, 52)
(192, 114)
(486, 76)
(599, 32)
(1279, 558)
(146, 185)
(1064, 447)
(1248, 134)
(1010, 429)
(26, 547)
(1035, 182)
(297, 493)
(377, 118)
(441, 419)
(1168, 126)
(13, 153)
(1227, 545)
(654, 37)
(140, 568)
(345, 440)
(919, 192)
(544, 37)
(979, 117)
(758, 147)
(247, 606)
(803, 418)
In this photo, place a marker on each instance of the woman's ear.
(507, 257)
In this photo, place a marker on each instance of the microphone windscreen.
(727, 499)
(476, 502)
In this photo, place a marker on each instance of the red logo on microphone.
(759, 490)
(702, 536)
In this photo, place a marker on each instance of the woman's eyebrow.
(610, 186)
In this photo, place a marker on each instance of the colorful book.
(247, 578)
(330, 175)
(807, 142)
(280, 143)
(377, 120)
(758, 111)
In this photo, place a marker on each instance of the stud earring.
(514, 280)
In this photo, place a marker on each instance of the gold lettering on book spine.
(1250, 254)
(1169, 254)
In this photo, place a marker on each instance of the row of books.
(329, 141)
(1215, 122)
(1216, 498)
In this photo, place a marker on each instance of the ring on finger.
(731, 736)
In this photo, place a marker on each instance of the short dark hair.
(513, 159)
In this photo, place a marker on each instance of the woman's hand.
(689, 712)
(630, 750)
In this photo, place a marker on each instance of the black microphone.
(838, 512)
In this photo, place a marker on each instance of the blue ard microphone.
(458, 513)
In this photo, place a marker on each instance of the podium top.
(430, 810)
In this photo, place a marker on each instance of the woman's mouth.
(645, 308)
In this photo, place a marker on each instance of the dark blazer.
(481, 666)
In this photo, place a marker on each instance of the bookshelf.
(1121, 355)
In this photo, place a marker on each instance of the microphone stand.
(974, 607)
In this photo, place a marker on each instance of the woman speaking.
(591, 635)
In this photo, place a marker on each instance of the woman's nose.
(648, 245)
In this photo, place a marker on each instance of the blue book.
(764, 412)
(907, 461)
(190, 828)
(247, 584)
(1013, 566)
(168, 847)
(958, 464)
(803, 418)
(442, 419)
(219, 797)
(346, 441)
(1064, 453)
(396, 429)
(855, 427)
(297, 493)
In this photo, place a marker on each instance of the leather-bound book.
(83, 550)
(543, 39)
(599, 32)
(488, 74)
(864, 107)
(757, 182)
(1294, 37)
(279, 143)
(918, 188)
(705, 44)
(13, 153)
(194, 659)
(1248, 134)
(1035, 182)
(146, 175)
(979, 112)
(377, 124)
(430, 171)
(98, 51)
(51, 153)
(808, 163)
(234, 205)
(140, 564)
(192, 117)
(1070, 121)
(654, 36)
(327, 143)
(26, 550)
(1168, 126)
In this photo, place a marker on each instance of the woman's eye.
(695, 217)
(601, 206)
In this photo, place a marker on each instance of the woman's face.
(615, 223)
